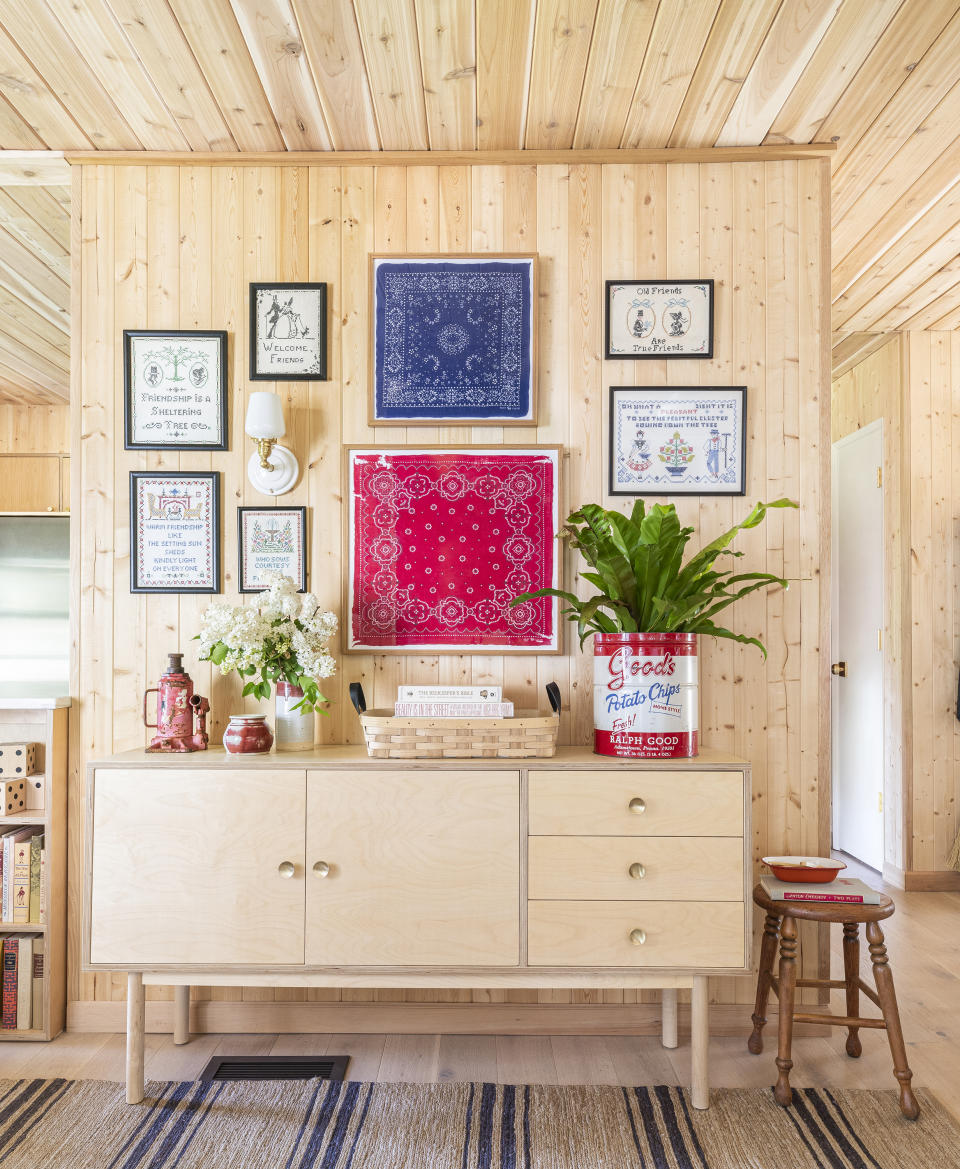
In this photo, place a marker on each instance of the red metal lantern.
(181, 715)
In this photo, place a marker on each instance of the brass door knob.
(637, 805)
(637, 871)
(839, 669)
(321, 869)
(638, 937)
(286, 869)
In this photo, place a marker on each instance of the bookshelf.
(42, 718)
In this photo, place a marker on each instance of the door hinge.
(879, 476)
(879, 801)
(880, 640)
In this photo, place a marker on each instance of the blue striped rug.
(84, 1124)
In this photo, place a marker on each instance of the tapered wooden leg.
(700, 1042)
(891, 1016)
(668, 1008)
(135, 1030)
(768, 951)
(851, 974)
(788, 979)
(181, 1015)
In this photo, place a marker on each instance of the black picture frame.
(319, 320)
(659, 348)
(735, 485)
(301, 513)
(135, 543)
(220, 411)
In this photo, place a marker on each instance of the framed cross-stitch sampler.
(453, 339)
(439, 540)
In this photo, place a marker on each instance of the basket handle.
(357, 698)
(553, 693)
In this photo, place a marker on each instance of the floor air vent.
(276, 1067)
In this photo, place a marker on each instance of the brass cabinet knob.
(638, 937)
(637, 805)
(286, 869)
(637, 871)
(321, 869)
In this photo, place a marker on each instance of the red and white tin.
(645, 695)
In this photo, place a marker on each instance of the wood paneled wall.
(932, 436)
(168, 246)
(913, 384)
(34, 430)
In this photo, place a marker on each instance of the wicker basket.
(529, 735)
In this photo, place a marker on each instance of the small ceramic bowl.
(817, 870)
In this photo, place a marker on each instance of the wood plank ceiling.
(879, 78)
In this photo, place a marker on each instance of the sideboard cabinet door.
(413, 868)
(195, 867)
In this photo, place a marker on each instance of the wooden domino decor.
(14, 796)
(17, 759)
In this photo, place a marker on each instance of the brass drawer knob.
(637, 806)
(321, 869)
(286, 869)
(638, 937)
(637, 871)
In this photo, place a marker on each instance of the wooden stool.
(782, 922)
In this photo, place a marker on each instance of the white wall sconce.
(273, 469)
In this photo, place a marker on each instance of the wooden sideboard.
(329, 868)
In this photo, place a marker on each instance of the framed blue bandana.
(453, 339)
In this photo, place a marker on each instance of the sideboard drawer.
(679, 934)
(636, 803)
(625, 868)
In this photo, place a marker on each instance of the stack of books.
(844, 889)
(22, 972)
(22, 862)
(452, 702)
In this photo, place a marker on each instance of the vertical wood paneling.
(164, 247)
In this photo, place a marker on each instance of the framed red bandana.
(440, 540)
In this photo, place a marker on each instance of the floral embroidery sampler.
(453, 339)
(442, 540)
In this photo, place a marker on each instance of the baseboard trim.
(920, 881)
(411, 1018)
(892, 875)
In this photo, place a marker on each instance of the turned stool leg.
(768, 951)
(851, 974)
(891, 1016)
(788, 979)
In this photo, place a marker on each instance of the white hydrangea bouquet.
(282, 637)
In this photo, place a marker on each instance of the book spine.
(36, 842)
(25, 985)
(43, 886)
(21, 881)
(5, 891)
(39, 946)
(8, 1021)
(796, 895)
(453, 710)
(449, 693)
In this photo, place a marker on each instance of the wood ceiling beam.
(850, 351)
(773, 153)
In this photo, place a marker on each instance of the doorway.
(857, 645)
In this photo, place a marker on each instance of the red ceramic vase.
(247, 734)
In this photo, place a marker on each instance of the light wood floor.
(924, 945)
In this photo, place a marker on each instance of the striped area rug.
(84, 1124)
